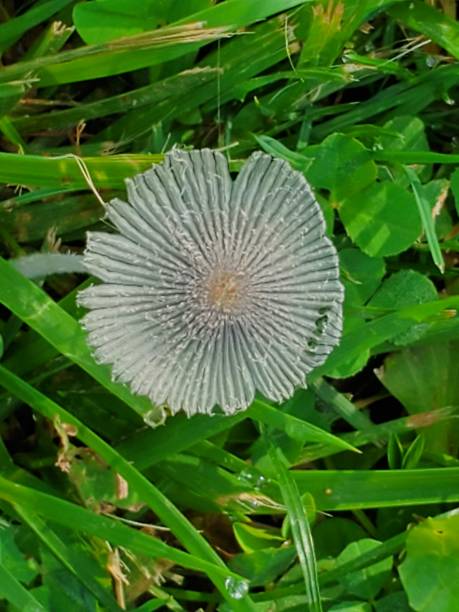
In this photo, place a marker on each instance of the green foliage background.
(342, 498)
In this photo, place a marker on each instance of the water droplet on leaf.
(237, 587)
(253, 478)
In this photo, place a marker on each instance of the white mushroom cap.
(213, 289)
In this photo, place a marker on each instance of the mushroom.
(213, 289)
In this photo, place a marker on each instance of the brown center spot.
(224, 291)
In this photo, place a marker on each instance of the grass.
(321, 502)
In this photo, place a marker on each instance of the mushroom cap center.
(225, 291)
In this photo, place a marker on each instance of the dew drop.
(261, 482)
(254, 503)
(253, 478)
(237, 587)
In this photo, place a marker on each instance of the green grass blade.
(10, 94)
(13, 591)
(6, 463)
(73, 517)
(13, 29)
(425, 212)
(33, 306)
(49, 41)
(213, 453)
(299, 525)
(378, 553)
(344, 407)
(294, 427)
(167, 512)
(415, 157)
(238, 60)
(49, 409)
(11, 134)
(121, 55)
(67, 215)
(411, 97)
(147, 447)
(33, 350)
(165, 93)
(380, 433)
(351, 490)
(386, 549)
(147, 49)
(374, 333)
(433, 23)
(68, 557)
(105, 172)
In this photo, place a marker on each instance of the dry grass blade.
(162, 37)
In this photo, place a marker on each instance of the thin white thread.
(86, 175)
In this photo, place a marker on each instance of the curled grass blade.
(40, 265)
(167, 512)
(299, 525)
(425, 212)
